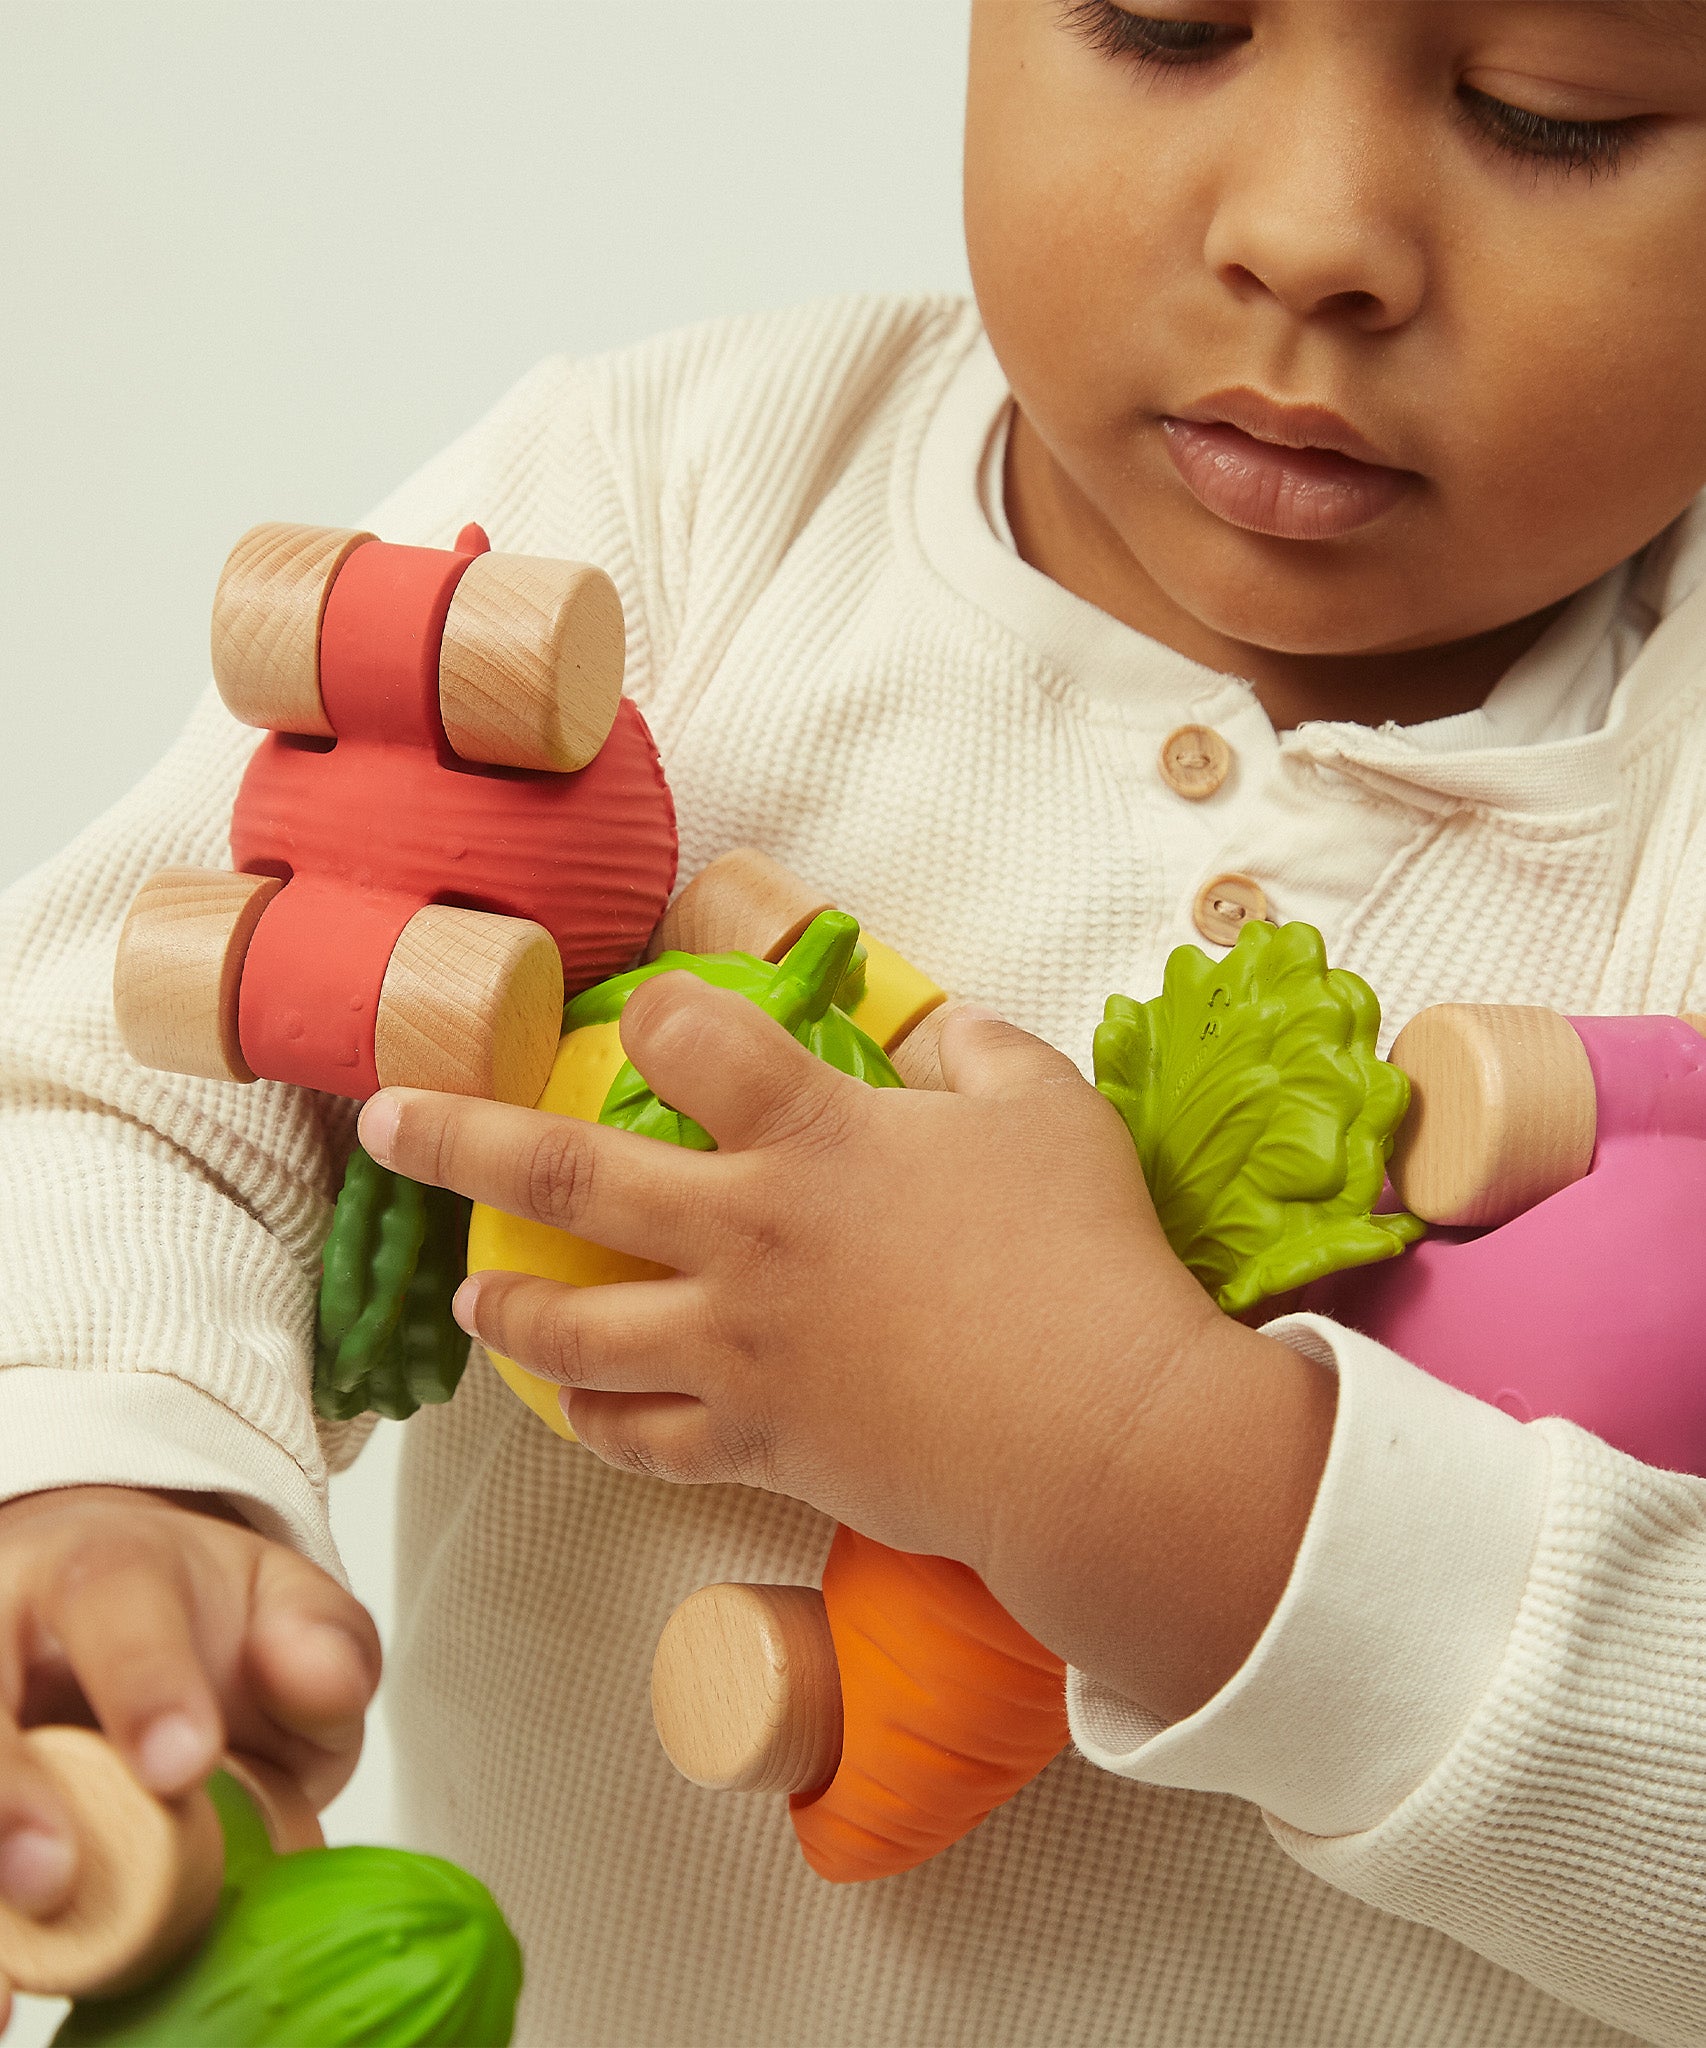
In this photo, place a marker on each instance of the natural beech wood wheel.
(179, 966)
(286, 1813)
(746, 1693)
(266, 623)
(744, 902)
(530, 668)
(1502, 1111)
(471, 1004)
(148, 1877)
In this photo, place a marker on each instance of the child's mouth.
(1294, 492)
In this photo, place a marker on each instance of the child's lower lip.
(1291, 493)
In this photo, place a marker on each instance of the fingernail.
(36, 1869)
(377, 1126)
(975, 1013)
(463, 1303)
(172, 1753)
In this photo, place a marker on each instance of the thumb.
(715, 1055)
(982, 1054)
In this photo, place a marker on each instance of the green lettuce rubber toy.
(326, 1948)
(1261, 1113)
(800, 991)
(397, 1253)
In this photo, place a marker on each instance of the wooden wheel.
(286, 1814)
(471, 1004)
(179, 967)
(744, 902)
(266, 623)
(746, 1693)
(1502, 1111)
(530, 669)
(148, 1877)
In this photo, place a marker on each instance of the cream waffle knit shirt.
(1457, 1797)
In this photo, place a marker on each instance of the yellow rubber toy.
(588, 1060)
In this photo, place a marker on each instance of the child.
(1336, 392)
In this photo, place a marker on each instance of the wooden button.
(1195, 761)
(1225, 905)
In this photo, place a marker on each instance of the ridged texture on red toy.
(590, 856)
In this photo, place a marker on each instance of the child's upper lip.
(1282, 425)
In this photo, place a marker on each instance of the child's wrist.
(1158, 1554)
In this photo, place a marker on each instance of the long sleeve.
(158, 1264)
(160, 1236)
(1481, 1702)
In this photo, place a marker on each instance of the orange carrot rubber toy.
(948, 1708)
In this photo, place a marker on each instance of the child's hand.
(183, 1634)
(950, 1320)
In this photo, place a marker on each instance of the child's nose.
(1306, 217)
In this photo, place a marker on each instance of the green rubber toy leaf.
(1261, 1113)
(397, 1252)
(801, 991)
(326, 1948)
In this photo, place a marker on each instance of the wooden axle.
(149, 1871)
(530, 667)
(470, 1002)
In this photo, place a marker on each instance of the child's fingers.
(313, 1660)
(639, 1336)
(617, 1189)
(665, 1436)
(38, 1847)
(982, 1054)
(121, 1610)
(717, 1057)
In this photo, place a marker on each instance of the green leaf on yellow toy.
(800, 991)
(1261, 1113)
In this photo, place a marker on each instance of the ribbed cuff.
(1399, 1607)
(62, 1428)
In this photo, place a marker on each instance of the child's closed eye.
(1169, 43)
(1150, 38)
(1591, 146)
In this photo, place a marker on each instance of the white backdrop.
(262, 257)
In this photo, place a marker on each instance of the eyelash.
(1596, 147)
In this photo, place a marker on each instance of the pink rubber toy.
(1592, 1303)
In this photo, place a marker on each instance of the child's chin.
(1306, 598)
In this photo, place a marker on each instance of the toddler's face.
(1472, 230)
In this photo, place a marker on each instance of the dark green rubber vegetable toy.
(397, 1253)
(325, 1948)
